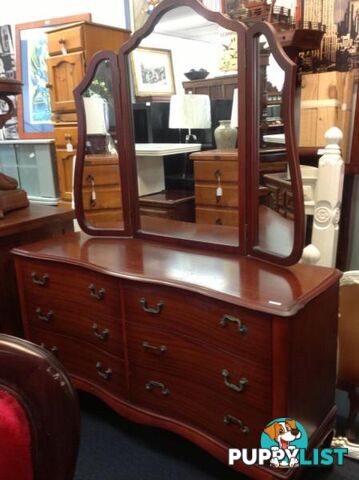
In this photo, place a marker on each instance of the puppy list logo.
(284, 444)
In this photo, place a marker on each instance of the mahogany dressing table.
(210, 331)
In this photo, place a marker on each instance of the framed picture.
(34, 108)
(152, 72)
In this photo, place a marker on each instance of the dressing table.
(210, 331)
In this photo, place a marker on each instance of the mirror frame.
(124, 63)
(81, 147)
(289, 68)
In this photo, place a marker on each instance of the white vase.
(225, 135)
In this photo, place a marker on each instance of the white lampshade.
(96, 117)
(234, 116)
(190, 111)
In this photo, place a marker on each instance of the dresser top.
(242, 281)
(32, 217)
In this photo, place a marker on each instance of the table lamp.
(190, 111)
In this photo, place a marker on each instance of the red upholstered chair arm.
(15, 439)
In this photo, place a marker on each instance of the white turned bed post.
(328, 197)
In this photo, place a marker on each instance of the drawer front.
(59, 117)
(106, 197)
(217, 216)
(82, 360)
(85, 323)
(197, 406)
(210, 170)
(228, 375)
(71, 284)
(70, 39)
(219, 324)
(102, 174)
(65, 134)
(207, 195)
(105, 218)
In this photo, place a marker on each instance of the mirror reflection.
(185, 102)
(276, 214)
(101, 191)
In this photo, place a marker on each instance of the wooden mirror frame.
(134, 41)
(81, 146)
(289, 68)
(248, 145)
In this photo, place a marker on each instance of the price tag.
(219, 192)
(69, 147)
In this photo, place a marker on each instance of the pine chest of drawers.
(210, 347)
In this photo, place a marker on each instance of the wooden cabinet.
(17, 228)
(70, 49)
(172, 204)
(211, 347)
(101, 192)
(218, 88)
(215, 169)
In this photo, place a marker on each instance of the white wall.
(109, 12)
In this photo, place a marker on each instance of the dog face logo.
(284, 437)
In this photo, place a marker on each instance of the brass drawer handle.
(237, 388)
(157, 309)
(98, 295)
(161, 348)
(229, 419)
(229, 318)
(98, 334)
(47, 317)
(40, 281)
(105, 374)
(152, 384)
(53, 349)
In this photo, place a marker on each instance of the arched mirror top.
(185, 165)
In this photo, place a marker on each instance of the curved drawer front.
(85, 323)
(197, 406)
(231, 328)
(83, 360)
(230, 376)
(87, 289)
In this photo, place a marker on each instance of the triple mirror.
(170, 129)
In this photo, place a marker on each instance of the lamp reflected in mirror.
(190, 112)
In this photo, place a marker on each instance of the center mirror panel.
(184, 77)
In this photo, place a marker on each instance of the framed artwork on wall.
(34, 109)
(152, 71)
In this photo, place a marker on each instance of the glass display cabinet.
(144, 306)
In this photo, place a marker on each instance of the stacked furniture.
(70, 50)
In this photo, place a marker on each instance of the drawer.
(186, 401)
(105, 218)
(102, 174)
(65, 134)
(86, 323)
(71, 39)
(82, 360)
(106, 197)
(59, 117)
(217, 216)
(219, 324)
(231, 376)
(209, 171)
(206, 194)
(66, 283)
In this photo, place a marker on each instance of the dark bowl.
(196, 74)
